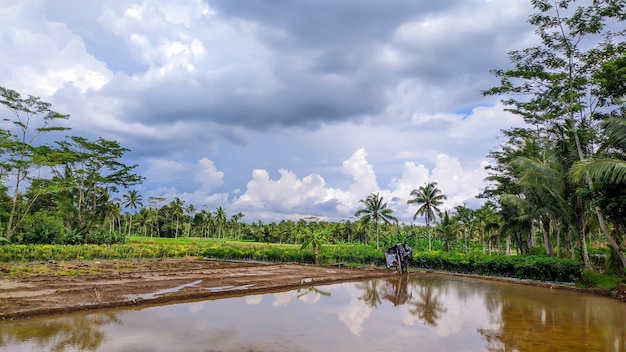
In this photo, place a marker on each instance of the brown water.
(423, 313)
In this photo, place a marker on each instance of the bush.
(42, 227)
(539, 268)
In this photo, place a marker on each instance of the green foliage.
(539, 268)
(43, 227)
(602, 281)
(612, 264)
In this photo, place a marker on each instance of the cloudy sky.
(279, 109)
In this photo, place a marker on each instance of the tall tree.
(191, 210)
(176, 210)
(32, 118)
(235, 219)
(88, 169)
(220, 218)
(552, 85)
(132, 200)
(375, 211)
(429, 198)
(449, 228)
(465, 216)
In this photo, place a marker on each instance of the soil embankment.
(64, 287)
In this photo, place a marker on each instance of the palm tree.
(610, 169)
(191, 210)
(235, 219)
(132, 200)
(429, 198)
(554, 195)
(375, 210)
(220, 217)
(176, 209)
(449, 228)
(315, 239)
(466, 217)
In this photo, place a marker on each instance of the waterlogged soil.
(51, 288)
(34, 289)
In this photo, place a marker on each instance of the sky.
(279, 109)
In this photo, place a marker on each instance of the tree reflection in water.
(311, 289)
(372, 294)
(80, 332)
(427, 306)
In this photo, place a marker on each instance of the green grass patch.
(602, 281)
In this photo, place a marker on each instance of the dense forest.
(556, 186)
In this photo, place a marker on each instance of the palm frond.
(602, 169)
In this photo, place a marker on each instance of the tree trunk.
(610, 238)
(545, 222)
(508, 244)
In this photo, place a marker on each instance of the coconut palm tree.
(429, 198)
(176, 210)
(191, 210)
(132, 200)
(609, 168)
(448, 228)
(315, 240)
(220, 218)
(466, 217)
(235, 220)
(375, 211)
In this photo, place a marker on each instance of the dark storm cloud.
(324, 66)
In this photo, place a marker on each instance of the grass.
(602, 281)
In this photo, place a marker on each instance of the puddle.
(229, 287)
(306, 280)
(162, 291)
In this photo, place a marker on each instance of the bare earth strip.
(40, 289)
(35, 289)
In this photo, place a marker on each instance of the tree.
(176, 210)
(315, 239)
(85, 170)
(552, 86)
(375, 211)
(32, 119)
(235, 219)
(191, 210)
(429, 198)
(132, 200)
(220, 218)
(465, 216)
(449, 228)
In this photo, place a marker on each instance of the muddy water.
(422, 313)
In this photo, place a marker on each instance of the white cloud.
(354, 315)
(44, 56)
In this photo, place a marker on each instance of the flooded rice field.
(425, 312)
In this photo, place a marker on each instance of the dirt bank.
(34, 289)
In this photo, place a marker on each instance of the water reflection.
(77, 332)
(419, 313)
